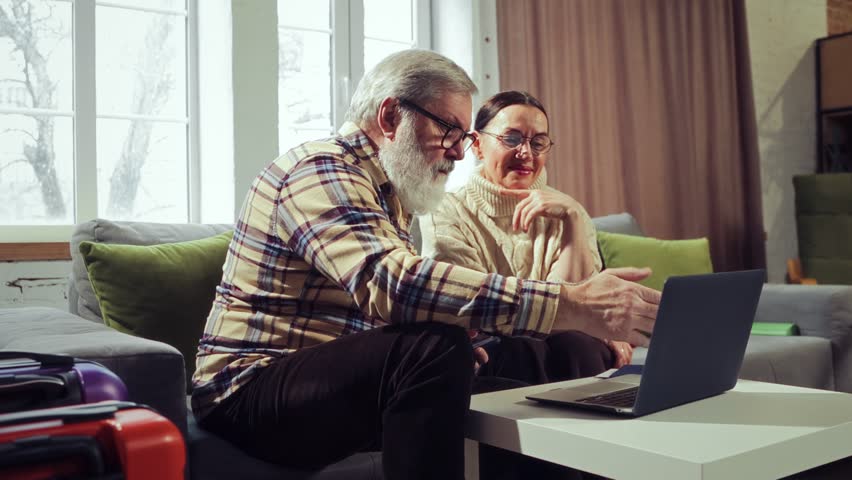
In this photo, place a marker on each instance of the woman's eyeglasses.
(539, 144)
(453, 135)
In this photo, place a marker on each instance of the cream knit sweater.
(473, 229)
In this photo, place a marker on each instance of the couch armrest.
(153, 371)
(818, 310)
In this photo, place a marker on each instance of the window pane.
(304, 14)
(304, 84)
(163, 4)
(376, 50)
(142, 171)
(36, 170)
(388, 20)
(43, 79)
(141, 63)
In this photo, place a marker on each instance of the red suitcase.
(34, 380)
(104, 440)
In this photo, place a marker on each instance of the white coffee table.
(757, 430)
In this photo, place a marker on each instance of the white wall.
(255, 76)
(781, 39)
(466, 32)
(33, 284)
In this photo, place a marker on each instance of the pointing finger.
(631, 274)
(650, 295)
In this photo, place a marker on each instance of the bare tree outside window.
(141, 113)
(153, 82)
(30, 34)
(304, 72)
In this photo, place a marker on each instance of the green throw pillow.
(665, 257)
(161, 292)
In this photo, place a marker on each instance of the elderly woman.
(506, 220)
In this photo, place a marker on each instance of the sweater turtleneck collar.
(486, 195)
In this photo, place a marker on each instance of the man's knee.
(437, 344)
(452, 335)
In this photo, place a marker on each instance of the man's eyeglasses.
(453, 135)
(539, 144)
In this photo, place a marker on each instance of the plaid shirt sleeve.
(330, 213)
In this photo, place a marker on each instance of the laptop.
(695, 352)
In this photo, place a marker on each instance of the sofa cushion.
(618, 223)
(212, 457)
(84, 302)
(665, 257)
(819, 311)
(794, 360)
(152, 371)
(162, 292)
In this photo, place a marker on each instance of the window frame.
(347, 50)
(84, 117)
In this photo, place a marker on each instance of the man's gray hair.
(419, 76)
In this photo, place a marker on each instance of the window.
(70, 151)
(36, 113)
(324, 49)
(99, 117)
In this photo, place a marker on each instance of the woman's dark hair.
(498, 102)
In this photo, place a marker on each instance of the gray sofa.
(154, 372)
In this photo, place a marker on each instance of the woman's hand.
(537, 203)
(480, 356)
(622, 351)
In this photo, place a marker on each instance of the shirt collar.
(364, 151)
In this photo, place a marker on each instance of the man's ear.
(388, 117)
(477, 151)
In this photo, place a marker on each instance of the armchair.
(824, 229)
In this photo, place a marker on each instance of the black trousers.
(560, 356)
(402, 389)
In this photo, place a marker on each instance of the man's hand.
(610, 305)
(537, 203)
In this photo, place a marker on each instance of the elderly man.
(329, 334)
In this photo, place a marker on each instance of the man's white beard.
(420, 187)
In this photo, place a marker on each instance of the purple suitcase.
(36, 380)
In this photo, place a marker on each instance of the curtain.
(651, 108)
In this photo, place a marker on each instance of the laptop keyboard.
(618, 398)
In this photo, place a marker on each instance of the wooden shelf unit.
(834, 103)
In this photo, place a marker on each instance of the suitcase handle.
(26, 391)
(45, 449)
(72, 414)
(48, 383)
(46, 359)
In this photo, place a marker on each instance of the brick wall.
(781, 39)
(839, 15)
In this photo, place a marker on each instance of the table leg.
(471, 459)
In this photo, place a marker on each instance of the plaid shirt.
(322, 249)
